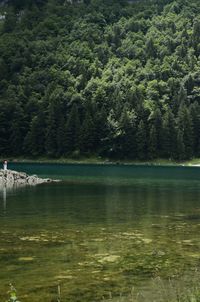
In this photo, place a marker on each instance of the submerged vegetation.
(98, 77)
(164, 291)
(97, 264)
(171, 290)
(13, 294)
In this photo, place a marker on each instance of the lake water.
(103, 232)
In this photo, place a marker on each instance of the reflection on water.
(4, 198)
(104, 230)
(9, 188)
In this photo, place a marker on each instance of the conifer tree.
(185, 126)
(195, 116)
(153, 143)
(61, 136)
(150, 48)
(34, 140)
(180, 99)
(72, 133)
(51, 132)
(141, 139)
(156, 134)
(10, 20)
(128, 137)
(196, 36)
(87, 135)
(17, 130)
(4, 130)
(169, 135)
(101, 131)
(180, 151)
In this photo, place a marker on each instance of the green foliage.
(13, 294)
(103, 77)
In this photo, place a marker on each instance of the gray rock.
(10, 178)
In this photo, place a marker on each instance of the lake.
(104, 232)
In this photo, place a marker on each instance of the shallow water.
(100, 232)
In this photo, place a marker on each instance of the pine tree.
(180, 151)
(61, 136)
(72, 133)
(55, 113)
(51, 132)
(10, 20)
(4, 130)
(196, 36)
(150, 48)
(128, 134)
(141, 139)
(101, 130)
(195, 116)
(153, 143)
(156, 134)
(169, 135)
(87, 136)
(17, 130)
(189, 84)
(34, 140)
(180, 100)
(188, 135)
(184, 123)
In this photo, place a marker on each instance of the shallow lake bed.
(100, 233)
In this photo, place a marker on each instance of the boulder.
(10, 178)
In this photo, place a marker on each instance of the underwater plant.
(13, 294)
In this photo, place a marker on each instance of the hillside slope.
(101, 77)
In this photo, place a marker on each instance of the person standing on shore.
(5, 164)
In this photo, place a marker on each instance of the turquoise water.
(100, 232)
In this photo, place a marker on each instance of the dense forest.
(110, 78)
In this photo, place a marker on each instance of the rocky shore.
(13, 178)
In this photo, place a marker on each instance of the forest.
(110, 78)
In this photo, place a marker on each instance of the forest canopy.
(110, 78)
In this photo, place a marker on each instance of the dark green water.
(100, 232)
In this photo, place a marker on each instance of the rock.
(110, 258)
(147, 240)
(26, 258)
(11, 178)
(158, 253)
(60, 277)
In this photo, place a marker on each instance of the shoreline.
(101, 161)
